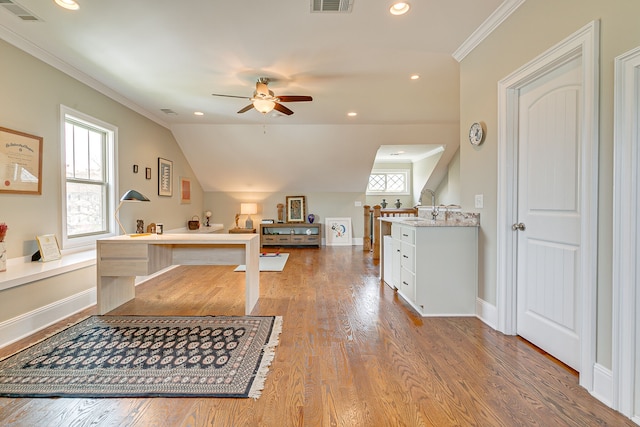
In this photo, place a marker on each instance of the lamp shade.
(133, 195)
(248, 208)
(129, 196)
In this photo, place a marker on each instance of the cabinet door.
(396, 260)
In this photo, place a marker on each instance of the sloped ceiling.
(154, 55)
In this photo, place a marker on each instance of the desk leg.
(114, 291)
(252, 276)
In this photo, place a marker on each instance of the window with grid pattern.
(388, 182)
(88, 155)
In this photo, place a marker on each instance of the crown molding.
(57, 63)
(491, 23)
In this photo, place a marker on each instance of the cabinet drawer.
(298, 239)
(407, 257)
(283, 239)
(123, 250)
(407, 284)
(408, 235)
(312, 240)
(268, 239)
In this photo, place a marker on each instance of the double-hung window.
(89, 153)
(393, 182)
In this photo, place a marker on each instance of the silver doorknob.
(519, 226)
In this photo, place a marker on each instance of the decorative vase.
(311, 218)
(384, 203)
(398, 204)
(3, 256)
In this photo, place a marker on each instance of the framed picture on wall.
(296, 208)
(337, 231)
(20, 162)
(185, 190)
(165, 177)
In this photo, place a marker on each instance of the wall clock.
(476, 134)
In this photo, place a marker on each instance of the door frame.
(626, 226)
(582, 44)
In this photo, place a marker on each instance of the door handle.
(519, 226)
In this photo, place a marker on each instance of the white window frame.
(111, 160)
(407, 182)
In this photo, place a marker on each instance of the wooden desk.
(120, 259)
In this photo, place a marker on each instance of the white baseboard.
(486, 312)
(603, 385)
(26, 324)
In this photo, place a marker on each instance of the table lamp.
(130, 196)
(248, 209)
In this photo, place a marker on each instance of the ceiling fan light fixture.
(399, 8)
(263, 105)
(68, 4)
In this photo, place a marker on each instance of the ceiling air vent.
(168, 111)
(336, 6)
(19, 11)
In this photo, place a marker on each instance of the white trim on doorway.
(583, 44)
(626, 226)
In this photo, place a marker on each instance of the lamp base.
(248, 223)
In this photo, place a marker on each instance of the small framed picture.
(185, 190)
(147, 173)
(165, 177)
(135, 168)
(296, 208)
(337, 231)
(48, 247)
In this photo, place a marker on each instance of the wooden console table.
(290, 234)
(120, 259)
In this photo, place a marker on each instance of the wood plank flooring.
(351, 353)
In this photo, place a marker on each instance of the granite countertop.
(444, 219)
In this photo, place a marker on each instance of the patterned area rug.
(116, 356)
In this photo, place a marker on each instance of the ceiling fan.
(265, 101)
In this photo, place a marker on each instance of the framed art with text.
(20, 162)
(165, 177)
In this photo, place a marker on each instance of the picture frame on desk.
(165, 177)
(296, 208)
(22, 153)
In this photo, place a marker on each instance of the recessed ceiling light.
(198, 113)
(399, 8)
(352, 114)
(68, 4)
(415, 76)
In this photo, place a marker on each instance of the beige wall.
(534, 28)
(31, 96)
(448, 192)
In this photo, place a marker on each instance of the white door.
(548, 227)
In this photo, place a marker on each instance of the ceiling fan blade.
(282, 109)
(294, 98)
(245, 109)
(231, 96)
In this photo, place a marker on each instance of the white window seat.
(22, 270)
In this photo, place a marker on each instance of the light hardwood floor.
(351, 353)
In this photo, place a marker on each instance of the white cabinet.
(435, 268)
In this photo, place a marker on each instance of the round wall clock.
(476, 134)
